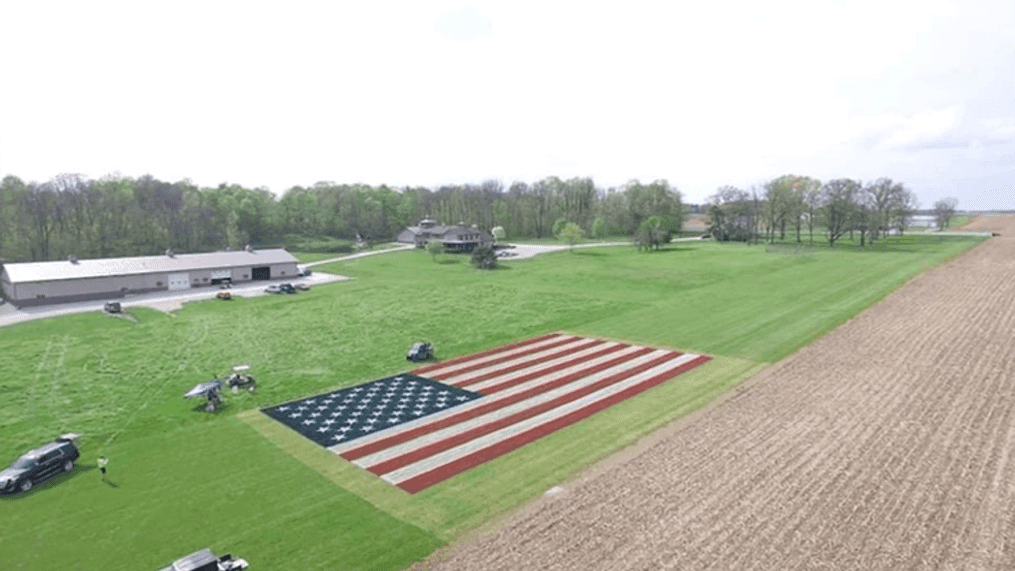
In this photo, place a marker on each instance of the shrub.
(484, 257)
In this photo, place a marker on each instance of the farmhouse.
(457, 237)
(38, 283)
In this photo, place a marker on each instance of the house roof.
(103, 267)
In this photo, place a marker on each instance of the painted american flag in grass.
(494, 402)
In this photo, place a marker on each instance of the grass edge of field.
(497, 487)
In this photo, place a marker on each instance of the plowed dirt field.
(887, 444)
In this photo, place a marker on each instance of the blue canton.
(348, 414)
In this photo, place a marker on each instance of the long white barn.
(38, 283)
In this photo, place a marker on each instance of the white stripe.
(436, 417)
(565, 355)
(448, 456)
(486, 358)
(495, 415)
(492, 382)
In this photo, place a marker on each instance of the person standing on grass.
(102, 466)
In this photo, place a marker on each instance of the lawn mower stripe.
(442, 364)
(425, 473)
(450, 438)
(474, 378)
(573, 343)
(407, 431)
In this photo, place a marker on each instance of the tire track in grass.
(147, 394)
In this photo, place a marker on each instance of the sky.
(426, 93)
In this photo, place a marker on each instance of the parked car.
(302, 287)
(39, 464)
(205, 560)
(224, 295)
(280, 288)
(112, 307)
(304, 271)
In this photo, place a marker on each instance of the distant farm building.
(38, 283)
(457, 237)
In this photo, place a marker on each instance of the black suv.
(38, 464)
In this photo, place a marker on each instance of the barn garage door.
(179, 281)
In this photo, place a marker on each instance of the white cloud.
(926, 129)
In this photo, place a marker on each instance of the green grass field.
(238, 482)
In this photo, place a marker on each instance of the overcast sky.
(701, 93)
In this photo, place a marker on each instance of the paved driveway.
(531, 250)
(163, 301)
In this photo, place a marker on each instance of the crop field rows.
(884, 445)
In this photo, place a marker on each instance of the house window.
(205, 279)
(283, 273)
(246, 275)
(40, 296)
(158, 284)
(123, 289)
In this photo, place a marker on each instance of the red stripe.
(354, 453)
(543, 372)
(483, 354)
(465, 436)
(581, 344)
(526, 364)
(437, 475)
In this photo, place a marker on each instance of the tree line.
(799, 204)
(122, 216)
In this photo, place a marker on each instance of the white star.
(392, 420)
(462, 398)
(294, 415)
(283, 408)
(322, 429)
(441, 405)
(315, 414)
(339, 436)
(308, 422)
(330, 421)
(417, 412)
(345, 429)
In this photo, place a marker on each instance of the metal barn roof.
(103, 267)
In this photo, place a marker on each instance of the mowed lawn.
(243, 484)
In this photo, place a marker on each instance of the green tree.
(944, 210)
(558, 226)
(572, 234)
(598, 227)
(434, 248)
(484, 257)
(652, 233)
(499, 235)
